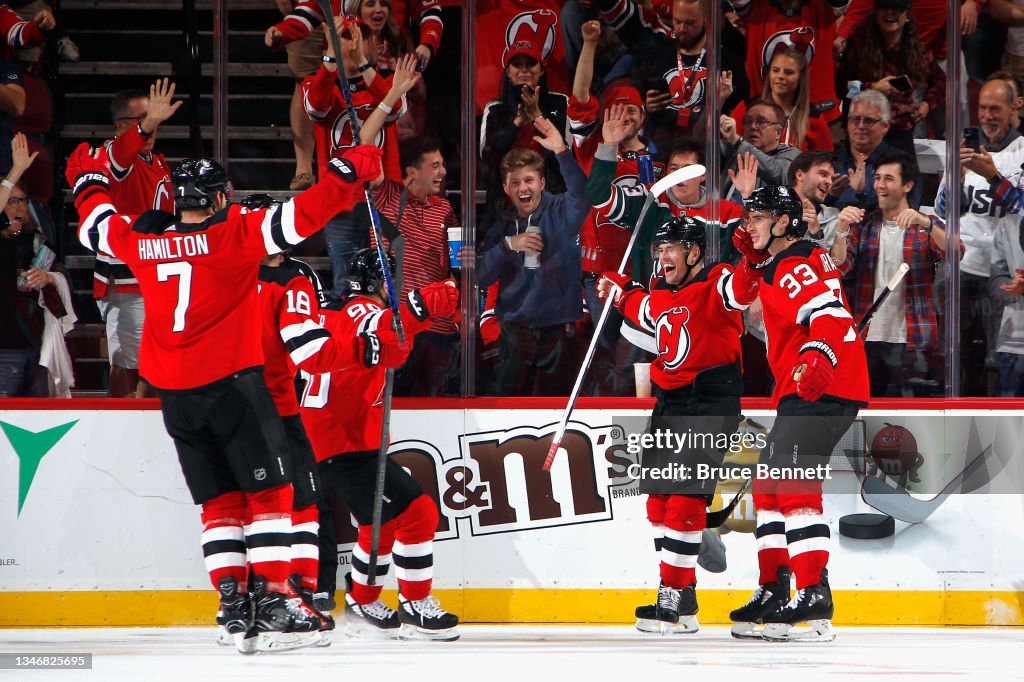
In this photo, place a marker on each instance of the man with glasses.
(139, 182)
(761, 145)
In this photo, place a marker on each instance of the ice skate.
(281, 622)
(811, 605)
(234, 616)
(375, 620)
(424, 619)
(325, 618)
(675, 612)
(767, 598)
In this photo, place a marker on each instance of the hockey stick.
(893, 282)
(899, 504)
(657, 189)
(396, 318)
(717, 518)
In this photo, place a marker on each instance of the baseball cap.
(524, 46)
(623, 94)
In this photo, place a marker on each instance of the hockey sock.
(807, 535)
(362, 591)
(684, 521)
(269, 535)
(414, 548)
(224, 539)
(305, 547)
(772, 552)
(656, 515)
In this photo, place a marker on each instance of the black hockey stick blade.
(717, 518)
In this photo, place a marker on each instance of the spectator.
(302, 36)
(139, 182)
(674, 77)
(870, 249)
(1011, 13)
(19, 34)
(788, 85)
(804, 25)
(507, 121)
(420, 216)
(326, 106)
(987, 172)
(532, 251)
(12, 106)
(35, 297)
(882, 50)
(29, 10)
(762, 141)
(811, 175)
(1007, 286)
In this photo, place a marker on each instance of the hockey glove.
(623, 282)
(438, 299)
(358, 164)
(490, 330)
(745, 282)
(814, 370)
(744, 243)
(87, 169)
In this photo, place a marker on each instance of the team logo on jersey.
(672, 337)
(800, 39)
(341, 131)
(681, 98)
(537, 27)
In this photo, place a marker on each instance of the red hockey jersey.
(138, 183)
(695, 327)
(332, 128)
(343, 411)
(292, 335)
(802, 297)
(17, 33)
(812, 31)
(198, 281)
(500, 23)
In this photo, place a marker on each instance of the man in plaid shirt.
(870, 251)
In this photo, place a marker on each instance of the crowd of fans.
(579, 103)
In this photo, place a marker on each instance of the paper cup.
(642, 375)
(454, 246)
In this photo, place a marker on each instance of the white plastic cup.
(642, 376)
(454, 246)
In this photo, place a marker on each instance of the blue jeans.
(1011, 375)
(343, 241)
(20, 374)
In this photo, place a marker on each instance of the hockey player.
(821, 380)
(345, 429)
(201, 352)
(695, 315)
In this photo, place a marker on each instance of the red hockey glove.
(814, 369)
(623, 282)
(744, 243)
(87, 168)
(490, 330)
(358, 164)
(745, 282)
(438, 299)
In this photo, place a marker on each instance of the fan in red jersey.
(821, 380)
(201, 350)
(695, 315)
(345, 428)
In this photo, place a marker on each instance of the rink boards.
(97, 527)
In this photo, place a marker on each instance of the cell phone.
(656, 83)
(902, 83)
(972, 138)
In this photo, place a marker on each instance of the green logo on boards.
(31, 448)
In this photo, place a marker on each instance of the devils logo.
(672, 337)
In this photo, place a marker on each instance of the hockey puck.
(867, 526)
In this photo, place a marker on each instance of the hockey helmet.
(682, 229)
(195, 183)
(779, 200)
(364, 272)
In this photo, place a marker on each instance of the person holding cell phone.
(886, 54)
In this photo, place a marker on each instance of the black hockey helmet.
(364, 273)
(195, 183)
(779, 200)
(682, 229)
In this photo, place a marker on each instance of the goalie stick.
(657, 189)
(396, 319)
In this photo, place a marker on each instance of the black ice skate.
(675, 612)
(811, 605)
(234, 615)
(375, 620)
(281, 622)
(424, 619)
(767, 599)
(325, 618)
